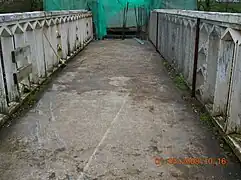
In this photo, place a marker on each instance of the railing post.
(194, 78)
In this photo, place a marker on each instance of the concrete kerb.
(37, 90)
(234, 145)
(227, 138)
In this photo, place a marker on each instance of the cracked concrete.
(106, 116)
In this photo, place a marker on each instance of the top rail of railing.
(229, 18)
(13, 17)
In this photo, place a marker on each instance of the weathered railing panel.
(33, 45)
(234, 110)
(7, 47)
(175, 49)
(218, 66)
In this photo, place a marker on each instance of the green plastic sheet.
(110, 13)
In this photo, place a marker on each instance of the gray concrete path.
(106, 116)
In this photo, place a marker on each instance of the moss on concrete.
(177, 77)
(180, 82)
(202, 113)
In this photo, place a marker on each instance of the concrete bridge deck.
(106, 116)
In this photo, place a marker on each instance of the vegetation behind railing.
(20, 5)
(37, 5)
(212, 5)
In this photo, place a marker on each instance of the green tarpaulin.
(109, 13)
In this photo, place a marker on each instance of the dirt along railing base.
(32, 97)
(205, 48)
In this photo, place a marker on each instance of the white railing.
(213, 70)
(32, 47)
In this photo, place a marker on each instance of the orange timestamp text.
(191, 161)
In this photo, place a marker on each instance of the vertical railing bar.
(157, 30)
(4, 74)
(194, 77)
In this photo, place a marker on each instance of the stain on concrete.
(106, 116)
(119, 81)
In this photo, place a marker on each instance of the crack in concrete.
(86, 167)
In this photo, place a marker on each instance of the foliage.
(212, 5)
(180, 82)
(37, 5)
(12, 6)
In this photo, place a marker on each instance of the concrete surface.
(106, 116)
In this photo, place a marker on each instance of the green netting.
(115, 13)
